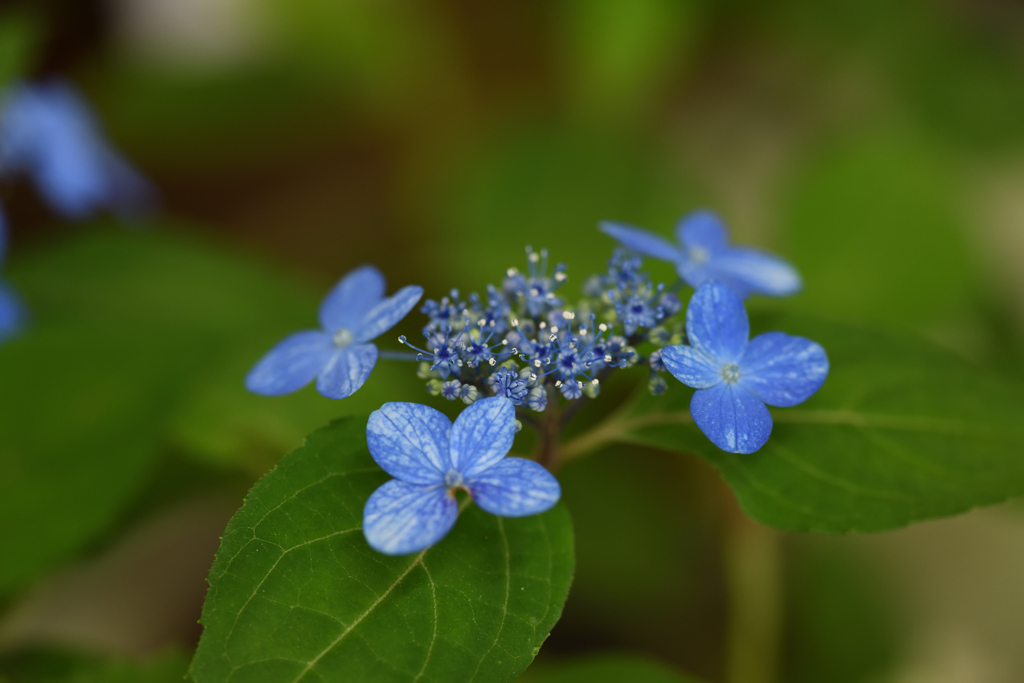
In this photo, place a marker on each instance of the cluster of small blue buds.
(522, 341)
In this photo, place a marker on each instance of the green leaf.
(901, 431)
(894, 250)
(79, 417)
(605, 669)
(296, 593)
(138, 345)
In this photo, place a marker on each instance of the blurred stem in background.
(753, 579)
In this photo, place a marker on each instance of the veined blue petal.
(387, 313)
(351, 299)
(783, 370)
(410, 441)
(401, 518)
(347, 370)
(291, 365)
(482, 435)
(641, 241)
(717, 323)
(515, 487)
(702, 235)
(733, 418)
(751, 271)
(12, 312)
(691, 366)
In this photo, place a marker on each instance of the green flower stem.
(548, 451)
(615, 429)
(385, 354)
(753, 568)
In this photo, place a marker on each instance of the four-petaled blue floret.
(339, 356)
(702, 253)
(430, 459)
(735, 377)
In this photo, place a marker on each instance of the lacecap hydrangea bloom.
(339, 356)
(735, 376)
(48, 133)
(702, 252)
(431, 459)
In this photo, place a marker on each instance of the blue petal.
(691, 366)
(70, 175)
(387, 313)
(733, 418)
(482, 435)
(351, 299)
(515, 487)
(292, 364)
(410, 441)
(783, 370)
(751, 271)
(641, 241)
(702, 233)
(401, 518)
(346, 371)
(717, 324)
(12, 313)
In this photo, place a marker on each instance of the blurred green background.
(877, 145)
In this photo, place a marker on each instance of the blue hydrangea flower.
(430, 459)
(702, 253)
(735, 377)
(339, 356)
(48, 132)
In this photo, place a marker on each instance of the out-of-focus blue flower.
(338, 356)
(48, 133)
(12, 311)
(430, 459)
(703, 253)
(736, 376)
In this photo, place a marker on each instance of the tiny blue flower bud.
(670, 303)
(571, 389)
(657, 385)
(537, 399)
(452, 389)
(655, 362)
(469, 394)
(659, 335)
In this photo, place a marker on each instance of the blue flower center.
(731, 373)
(343, 338)
(699, 255)
(453, 479)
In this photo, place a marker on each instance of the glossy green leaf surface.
(901, 431)
(296, 594)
